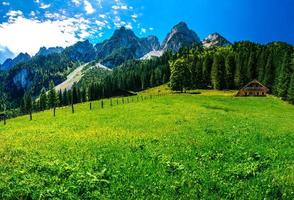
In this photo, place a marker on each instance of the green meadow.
(177, 146)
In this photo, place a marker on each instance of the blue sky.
(26, 25)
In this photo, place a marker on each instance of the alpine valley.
(126, 62)
(33, 73)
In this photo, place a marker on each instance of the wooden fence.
(101, 104)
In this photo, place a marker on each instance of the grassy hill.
(179, 146)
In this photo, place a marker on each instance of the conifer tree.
(229, 71)
(269, 72)
(283, 78)
(238, 73)
(152, 81)
(261, 62)
(291, 90)
(28, 103)
(206, 70)
(250, 75)
(198, 79)
(3, 106)
(60, 98)
(74, 94)
(43, 100)
(65, 100)
(217, 78)
(52, 97)
(180, 74)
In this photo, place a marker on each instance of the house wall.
(252, 93)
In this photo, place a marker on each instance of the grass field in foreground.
(180, 146)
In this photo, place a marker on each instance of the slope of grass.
(171, 147)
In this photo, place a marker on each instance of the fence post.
(123, 101)
(72, 108)
(31, 115)
(117, 101)
(90, 105)
(54, 111)
(128, 100)
(110, 102)
(102, 104)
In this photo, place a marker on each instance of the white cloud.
(124, 7)
(4, 3)
(100, 23)
(120, 7)
(103, 16)
(117, 19)
(44, 6)
(28, 35)
(54, 16)
(100, 34)
(14, 13)
(76, 2)
(134, 16)
(88, 7)
(32, 13)
(151, 29)
(99, 3)
(129, 26)
(84, 34)
(143, 30)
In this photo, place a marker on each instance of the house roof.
(255, 81)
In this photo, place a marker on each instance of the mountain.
(45, 52)
(151, 42)
(124, 45)
(215, 39)
(4, 54)
(10, 63)
(81, 51)
(179, 37)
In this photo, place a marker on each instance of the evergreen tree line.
(234, 66)
(131, 76)
(52, 99)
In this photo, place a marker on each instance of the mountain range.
(26, 72)
(125, 45)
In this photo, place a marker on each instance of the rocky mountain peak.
(151, 42)
(47, 51)
(125, 45)
(81, 51)
(123, 33)
(179, 37)
(10, 63)
(182, 26)
(215, 39)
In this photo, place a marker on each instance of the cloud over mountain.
(26, 28)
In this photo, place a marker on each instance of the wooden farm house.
(254, 88)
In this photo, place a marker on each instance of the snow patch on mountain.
(152, 54)
(77, 74)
